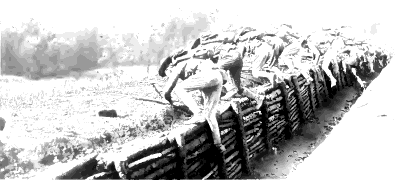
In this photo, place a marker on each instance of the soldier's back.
(195, 66)
(292, 49)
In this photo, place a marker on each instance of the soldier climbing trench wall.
(246, 131)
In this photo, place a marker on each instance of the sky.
(137, 16)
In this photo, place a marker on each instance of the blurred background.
(42, 39)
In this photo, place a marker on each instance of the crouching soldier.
(231, 59)
(292, 57)
(196, 74)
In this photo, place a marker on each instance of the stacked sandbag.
(231, 140)
(276, 111)
(254, 127)
(313, 91)
(155, 162)
(197, 149)
(321, 88)
(304, 91)
(292, 99)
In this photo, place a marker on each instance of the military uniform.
(230, 58)
(353, 59)
(275, 42)
(331, 57)
(197, 75)
(262, 62)
(295, 54)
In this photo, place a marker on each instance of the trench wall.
(188, 152)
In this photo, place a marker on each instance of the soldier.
(330, 57)
(196, 75)
(371, 57)
(271, 59)
(277, 45)
(231, 59)
(353, 58)
(263, 62)
(293, 54)
(223, 51)
(381, 60)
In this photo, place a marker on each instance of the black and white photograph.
(196, 89)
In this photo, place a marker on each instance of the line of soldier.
(205, 63)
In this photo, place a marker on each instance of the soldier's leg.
(197, 82)
(344, 65)
(236, 78)
(305, 71)
(290, 63)
(210, 109)
(228, 63)
(231, 93)
(229, 86)
(319, 74)
(325, 66)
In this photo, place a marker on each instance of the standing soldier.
(196, 75)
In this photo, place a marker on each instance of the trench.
(293, 152)
(361, 146)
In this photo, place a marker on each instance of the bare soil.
(56, 121)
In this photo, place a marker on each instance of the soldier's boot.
(259, 98)
(229, 95)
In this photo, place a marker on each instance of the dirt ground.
(57, 121)
(292, 152)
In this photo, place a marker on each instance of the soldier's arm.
(315, 51)
(172, 81)
(243, 38)
(215, 38)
